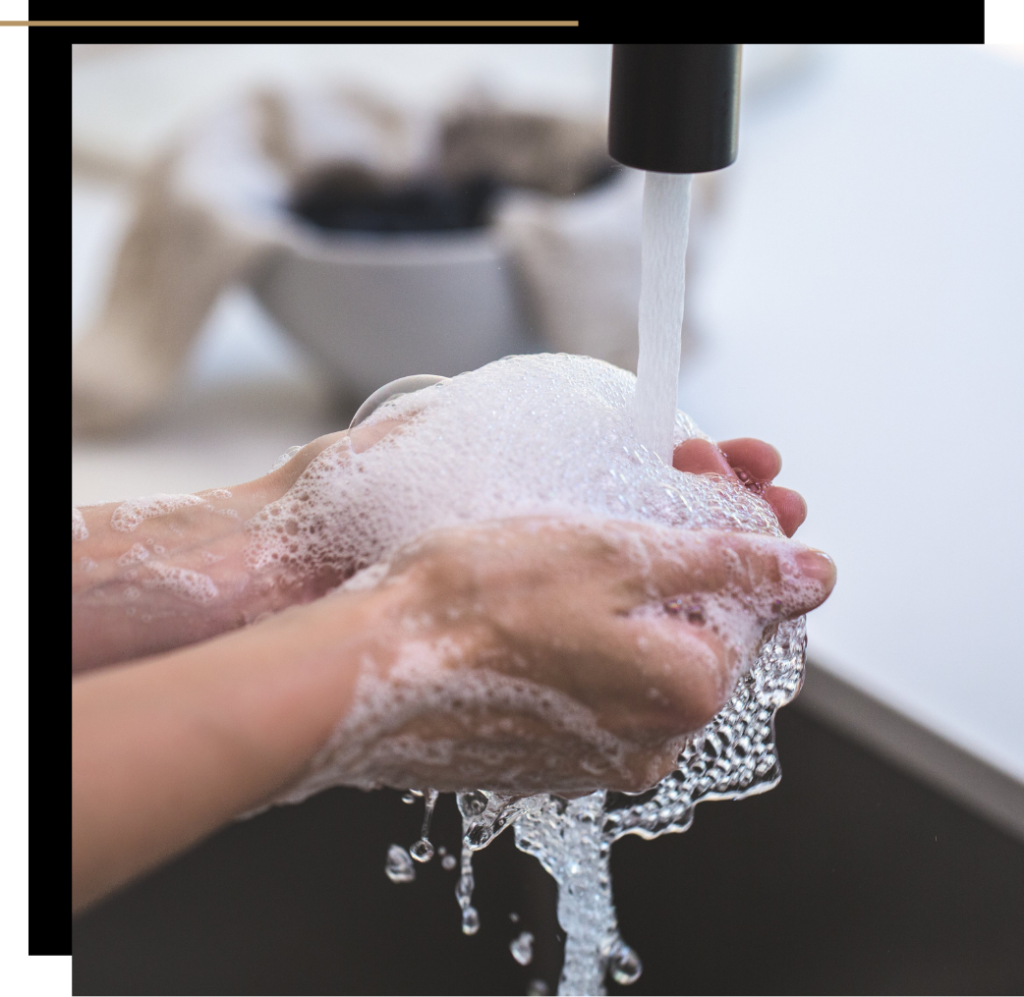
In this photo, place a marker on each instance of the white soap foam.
(541, 434)
(79, 531)
(129, 515)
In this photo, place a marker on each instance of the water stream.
(666, 229)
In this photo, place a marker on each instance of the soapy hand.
(175, 573)
(647, 628)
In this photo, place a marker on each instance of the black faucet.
(674, 108)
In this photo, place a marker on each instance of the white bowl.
(372, 308)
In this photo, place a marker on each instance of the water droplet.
(625, 965)
(422, 850)
(449, 862)
(408, 798)
(537, 988)
(472, 804)
(522, 948)
(470, 921)
(399, 867)
(514, 917)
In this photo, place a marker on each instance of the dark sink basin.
(850, 877)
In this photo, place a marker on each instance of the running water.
(555, 434)
(666, 227)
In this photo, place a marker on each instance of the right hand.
(577, 608)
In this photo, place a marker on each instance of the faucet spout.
(674, 108)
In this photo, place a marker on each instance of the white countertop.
(860, 305)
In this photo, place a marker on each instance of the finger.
(748, 582)
(795, 577)
(790, 508)
(699, 456)
(760, 460)
(682, 679)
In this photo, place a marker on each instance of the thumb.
(773, 577)
(778, 579)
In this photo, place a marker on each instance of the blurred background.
(262, 235)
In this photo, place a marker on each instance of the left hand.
(754, 463)
(181, 577)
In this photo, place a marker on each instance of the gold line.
(290, 24)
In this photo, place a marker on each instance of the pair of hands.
(646, 627)
(215, 710)
(563, 605)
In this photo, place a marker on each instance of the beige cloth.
(213, 208)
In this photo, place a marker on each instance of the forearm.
(150, 575)
(167, 750)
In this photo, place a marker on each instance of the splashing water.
(734, 756)
(423, 850)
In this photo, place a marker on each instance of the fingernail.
(817, 565)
